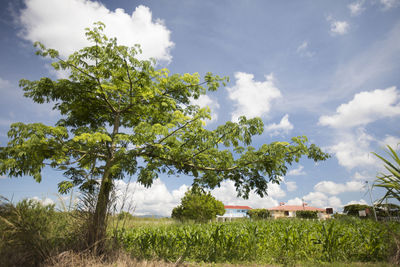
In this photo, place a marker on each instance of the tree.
(353, 209)
(391, 180)
(122, 117)
(198, 206)
(258, 214)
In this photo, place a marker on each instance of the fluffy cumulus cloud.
(206, 101)
(60, 24)
(253, 98)
(392, 141)
(291, 186)
(44, 201)
(361, 201)
(283, 127)
(321, 200)
(333, 188)
(297, 171)
(304, 51)
(227, 194)
(365, 108)
(338, 27)
(357, 7)
(156, 200)
(354, 150)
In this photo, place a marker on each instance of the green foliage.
(307, 214)
(391, 180)
(269, 242)
(198, 206)
(353, 209)
(257, 214)
(123, 215)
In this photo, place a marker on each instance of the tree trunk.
(98, 225)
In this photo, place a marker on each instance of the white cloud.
(338, 27)
(284, 127)
(156, 200)
(45, 201)
(361, 201)
(356, 8)
(297, 171)
(354, 150)
(388, 4)
(320, 200)
(60, 24)
(392, 141)
(361, 176)
(291, 186)
(227, 194)
(206, 101)
(253, 98)
(365, 108)
(333, 188)
(295, 201)
(303, 50)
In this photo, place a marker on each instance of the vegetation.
(391, 183)
(353, 209)
(122, 117)
(258, 214)
(391, 180)
(198, 206)
(281, 241)
(307, 214)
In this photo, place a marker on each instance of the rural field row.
(269, 242)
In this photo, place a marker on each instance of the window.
(286, 213)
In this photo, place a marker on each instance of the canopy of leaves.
(198, 206)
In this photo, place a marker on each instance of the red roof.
(237, 207)
(295, 208)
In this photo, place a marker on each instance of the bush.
(31, 232)
(257, 214)
(307, 214)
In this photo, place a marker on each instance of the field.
(285, 241)
(36, 235)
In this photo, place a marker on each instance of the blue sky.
(325, 69)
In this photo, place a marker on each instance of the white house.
(234, 212)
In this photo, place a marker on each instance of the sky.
(325, 69)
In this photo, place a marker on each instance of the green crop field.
(283, 241)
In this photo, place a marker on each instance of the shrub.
(307, 214)
(258, 214)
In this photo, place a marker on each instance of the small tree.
(198, 206)
(307, 214)
(257, 214)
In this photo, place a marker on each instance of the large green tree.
(199, 206)
(120, 116)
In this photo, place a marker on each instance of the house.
(234, 212)
(290, 211)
